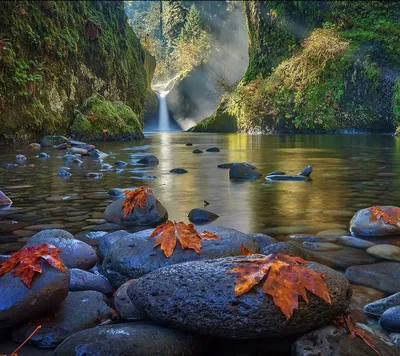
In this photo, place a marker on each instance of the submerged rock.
(77, 150)
(44, 155)
(34, 145)
(79, 311)
(201, 216)
(361, 297)
(226, 165)
(276, 173)
(378, 307)
(199, 297)
(321, 246)
(188, 144)
(149, 160)
(95, 175)
(135, 338)
(4, 199)
(120, 163)
(287, 178)
(64, 174)
(388, 252)
(178, 171)
(20, 157)
(243, 171)
(50, 141)
(197, 151)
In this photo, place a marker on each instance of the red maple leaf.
(27, 261)
(135, 197)
(390, 215)
(244, 251)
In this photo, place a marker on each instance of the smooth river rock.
(201, 216)
(152, 214)
(321, 246)
(213, 149)
(19, 303)
(178, 171)
(50, 141)
(131, 339)
(306, 171)
(133, 255)
(149, 160)
(390, 319)
(199, 297)
(83, 280)
(360, 224)
(243, 171)
(281, 177)
(4, 199)
(378, 307)
(388, 252)
(355, 242)
(124, 306)
(78, 311)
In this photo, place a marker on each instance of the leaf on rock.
(27, 261)
(244, 251)
(390, 216)
(285, 280)
(187, 235)
(135, 197)
(346, 323)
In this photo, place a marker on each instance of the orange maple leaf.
(244, 251)
(345, 322)
(135, 197)
(27, 261)
(389, 216)
(187, 235)
(285, 280)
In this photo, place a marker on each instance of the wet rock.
(41, 227)
(124, 306)
(197, 151)
(44, 155)
(306, 171)
(178, 171)
(378, 307)
(199, 297)
(384, 276)
(311, 238)
(4, 199)
(20, 157)
(227, 165)
(334, 233)
(355, 242)
(34, 145)
(388, 252)
(395, 339)
(107, 240)
(133, 255)
(282, 247)
(80, 151)
(77, 161)
(360, 224)
(263, 240)
(76, 143)
(280, 177)
(79, 311)
(120, 163)
(213, 149)
(188, 144)
(152, 214)
(360, 298)
(106, 166)
(89, 147)
(321, 246)
(390, 319)
(64, 174)
(116, 192)
(83, 280)
(62, 146)
(95, 175)
(10, 165)
(74, 253)
(149, 160)
(91, 237)
(96, 153)
(330, 340)
(69, 158)
(276, 173)
(50, 141)
(243, 171)
(19, 303)
(135, 338)
(201, 216)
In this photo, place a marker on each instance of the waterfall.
(163, 115)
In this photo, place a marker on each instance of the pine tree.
(192, 28)
(175, 17)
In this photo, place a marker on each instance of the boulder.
(263, 240)
(306, 171)
(285, 248)
(133, 339)
(4, 199)
(361, 225)
(19, 303)
(178, 171)
(226, 165)
(107, 240)
(384, 276)
(82, 280)
(213, 149)
(330, 340)
(78, 311)
(62, 146)
(243, 171)
(50, 141)
(74, 253)
(149, 160)
(77, 150)
(152, 214)
(123, 262)
(388, 252)
(199, 297)
(124, 306)
(201, 216)
(378, 307)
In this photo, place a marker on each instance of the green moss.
(396, 103)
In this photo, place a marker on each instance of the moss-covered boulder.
(102, 119)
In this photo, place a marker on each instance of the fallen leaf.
(285, 280)
(390, 216)
(346, 323)
(27, 261)
(245, 251)
(135, 197)
(187, 235)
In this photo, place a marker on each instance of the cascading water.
(163, 115)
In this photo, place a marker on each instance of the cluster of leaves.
(286, 279)
(133, 198)
(390, 216)
(187, 235)
(27, 262)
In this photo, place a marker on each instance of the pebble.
(213, 149)
(388, 252)
(94, 175)
(333, 232)
(120, 163)
(20, 157)
(355, 242)
(178, 171)
(321, 246)
(197, 151)
(44, 155)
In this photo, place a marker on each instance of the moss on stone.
(221, 121)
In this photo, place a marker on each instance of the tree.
(191, 31)
(174, 21)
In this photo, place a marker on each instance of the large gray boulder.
(131, 339)
(78, 311)
(19, 303)
(152, 214)
(199, 297)
(133, 255)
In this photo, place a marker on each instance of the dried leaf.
(390, 216)
(346, 323)
(187, 235)
(135, 197)
(27, 261)
(285, 280)
(245, 251)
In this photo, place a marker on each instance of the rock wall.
(56, 54)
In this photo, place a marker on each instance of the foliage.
(27, 262)
(244, 251)
(285, 280)
(396, 102)
(133, 198)
(14, 353)
(187, 235)
(191, 30)
(390, 215)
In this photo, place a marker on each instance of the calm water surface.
(350, 172)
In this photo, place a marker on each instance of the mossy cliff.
(317, 66)
(54, 55)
